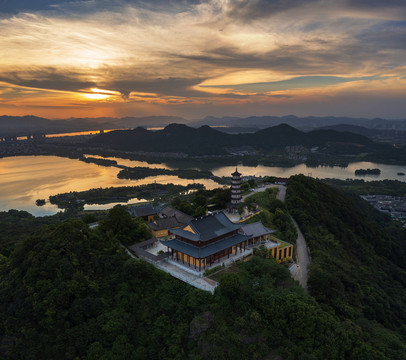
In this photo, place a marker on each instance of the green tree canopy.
(123, 227)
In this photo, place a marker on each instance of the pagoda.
(235, 192)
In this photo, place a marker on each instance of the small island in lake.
(40, 202)
(97, 161)
(401, 173)
(367, 172)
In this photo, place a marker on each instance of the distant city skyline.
(61, 59)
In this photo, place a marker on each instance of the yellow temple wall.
(160, 233)
(184, 257)
(279, 253)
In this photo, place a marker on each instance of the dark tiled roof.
(139, 250)
(143, 210)
(143, 243)
(256, 229)
(208, 250)
(169, 211)
(167, 223)
(208, 227)
(185, 234)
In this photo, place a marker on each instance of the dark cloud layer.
(293, 59)
(163, 50)
(376, 3)
(250, 10)
(163, 87)
(389, 35)
(16, 6)
(47, 78)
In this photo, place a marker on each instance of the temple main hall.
(207, 240)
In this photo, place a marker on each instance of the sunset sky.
(195, 58)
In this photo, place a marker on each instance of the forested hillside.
(358, 265)
(69, 292)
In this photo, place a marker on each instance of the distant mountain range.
(302, 123)
(208, 141)
(29, 125)
(354, 129)
(25, 125)
(372, 128)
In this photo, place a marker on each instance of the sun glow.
(102, 91)
(86, 59)
(96, 96)
(100, 94)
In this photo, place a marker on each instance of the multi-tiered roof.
(236, 188)
(206, 236)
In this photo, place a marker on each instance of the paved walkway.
(261, 189)
(281, 195)
(188, 277)
(300, 272)
(303, 259)
(195, 280)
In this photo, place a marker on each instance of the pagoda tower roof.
(236, 173)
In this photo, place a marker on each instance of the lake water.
(389, 172)
(25, 179)
(322, 172)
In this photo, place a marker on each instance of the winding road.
(300, 273)
(302, 258)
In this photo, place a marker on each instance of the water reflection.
(110, 205)
(321, 172)
(132, 163)
(25, 179)
(80, 133)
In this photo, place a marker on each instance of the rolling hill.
(208, 141)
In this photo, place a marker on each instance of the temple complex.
(168, 218)
(214, 238)
(186, 247)
(147, 212)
